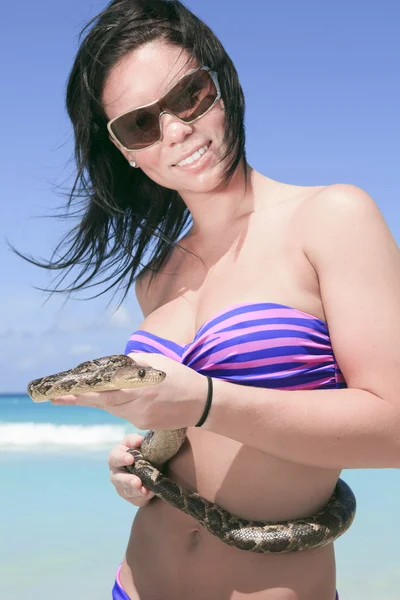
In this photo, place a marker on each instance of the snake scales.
(119, 372)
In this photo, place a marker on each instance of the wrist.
(197, 399)
(208, 402)
(215, 414)
(230, 410)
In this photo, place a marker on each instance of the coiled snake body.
(120, 372)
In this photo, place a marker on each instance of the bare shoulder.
(339, 202)
(343, 224)
(357, 262)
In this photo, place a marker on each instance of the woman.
(287, 296)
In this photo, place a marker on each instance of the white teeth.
(195, 156)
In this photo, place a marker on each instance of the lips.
(192, 152)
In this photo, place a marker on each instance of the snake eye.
(141, 372)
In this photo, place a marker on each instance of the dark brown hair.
(124, 215)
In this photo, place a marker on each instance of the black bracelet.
(208, 403)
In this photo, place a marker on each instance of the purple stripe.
(146, 336)
(339, 376)
(263, 349)
(255, 333)
(257, 319)
(141, 343)
(272, 324)
(274, 383)
(298, 378)
(227, 340)
(267, 350)
(287, 369)
(239, 361)
(275, 310)
(263, 321)
(264, 344)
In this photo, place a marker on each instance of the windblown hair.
(124, 214)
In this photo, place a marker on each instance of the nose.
(173, 130)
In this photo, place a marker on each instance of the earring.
(132, 163)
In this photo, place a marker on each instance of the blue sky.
(322, 89)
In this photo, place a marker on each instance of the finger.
(146, 493)
(106, 400)
(129, 486)
(133, 440)
(64, 400)
(92, 399)
(120, 456)
(129, 491)
(121, 480)
(136, 499)
(96, 399)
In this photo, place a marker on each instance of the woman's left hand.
(176, 402)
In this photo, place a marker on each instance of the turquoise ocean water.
(64, 529)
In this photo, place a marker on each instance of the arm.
(358, 265)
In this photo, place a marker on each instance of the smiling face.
(146, 75)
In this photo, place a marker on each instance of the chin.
(207, 181)
(207, 185)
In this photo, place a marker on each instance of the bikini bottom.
(118, 592)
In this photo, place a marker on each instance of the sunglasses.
(190, 99)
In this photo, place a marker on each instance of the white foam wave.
(23, 435)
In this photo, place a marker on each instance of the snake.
(159, 446)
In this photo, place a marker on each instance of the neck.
(215, 211)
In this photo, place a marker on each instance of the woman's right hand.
(128, 486)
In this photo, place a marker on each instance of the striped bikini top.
(261, 344)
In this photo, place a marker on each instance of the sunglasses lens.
(138, 128)
(188, 100)
(192, 96)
